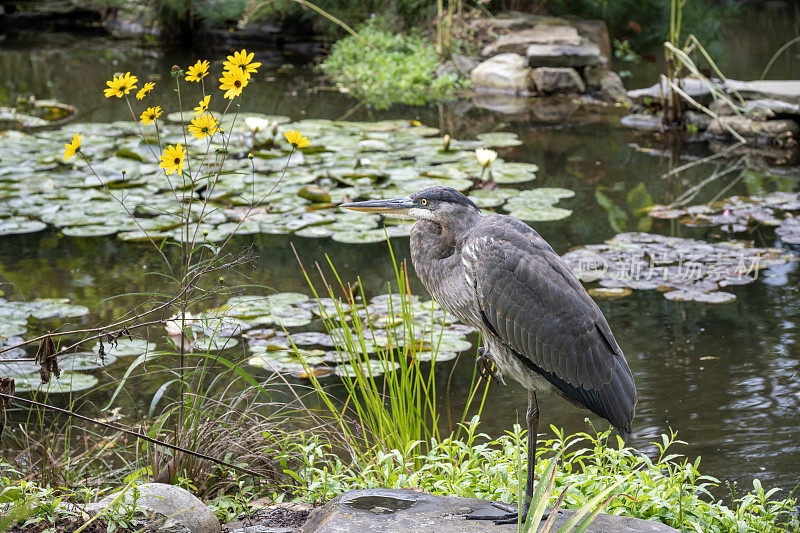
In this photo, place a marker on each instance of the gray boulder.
(517, 42)
(612, 89)
(505, 73)
(550, 80)
(593, 74)
(463, 64)
(169, 508)
(561, 55)
(405, 511)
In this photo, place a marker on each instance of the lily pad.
(374, 368)
(694, 269)
(84, 361)
(9, 226)
(125, 347)
(67, 383)
(500, 139)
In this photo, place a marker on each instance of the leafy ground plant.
(384, 68)
(667, 488)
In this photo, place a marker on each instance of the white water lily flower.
(485, 156)
(256, 124)
(173, 325)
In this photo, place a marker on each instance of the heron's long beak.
(396, 205)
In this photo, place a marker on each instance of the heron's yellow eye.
(424, 201)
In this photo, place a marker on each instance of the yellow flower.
(197, 71)
(120, 85)
(202, 106)
(485, 156)
(150, 114)
(172, 159)
(145, 90)
(203, 126)
(296, 139)
(72, 147)
(242, 60)
(232, 82)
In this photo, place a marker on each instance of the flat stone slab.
(406, 511)
(518, 41)
(561, 55)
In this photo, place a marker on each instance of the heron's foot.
(512, 515)
(484, 364)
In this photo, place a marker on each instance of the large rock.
(766, 129)
(463, 64)
(550, 80)
(786, 90)
(505, 73)
(612, 89)
(517, 42)
(405, 511)
(170, 509)
(562, 55)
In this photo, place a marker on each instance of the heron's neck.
(440, 241)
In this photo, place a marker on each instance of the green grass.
(384, 68)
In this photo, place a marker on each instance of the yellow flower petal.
(197, 71)
(150, 114)
(232, 82)
(72, 147)
(145, 90)
(296, 139)
(203, 126)
(202, 106)
(173, 158)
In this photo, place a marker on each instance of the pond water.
(724, 376)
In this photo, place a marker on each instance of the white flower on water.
(485, 156)
(256, 124)
(173, 325)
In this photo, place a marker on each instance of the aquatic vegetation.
(685, 269)
(736, 214)
(394, 68)
(347, 161)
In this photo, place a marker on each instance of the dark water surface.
(727, 377)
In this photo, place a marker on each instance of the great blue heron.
(538, 323)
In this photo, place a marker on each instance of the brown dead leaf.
(47, 360)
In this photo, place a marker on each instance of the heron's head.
(442, 205)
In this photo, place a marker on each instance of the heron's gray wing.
(531, 299)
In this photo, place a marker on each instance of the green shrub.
(668, 489)
(383, 68)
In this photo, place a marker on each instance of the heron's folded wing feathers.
(540, 310)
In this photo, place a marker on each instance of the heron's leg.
(512, 516)
(484, 365)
